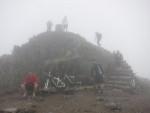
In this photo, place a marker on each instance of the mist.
(124, 24)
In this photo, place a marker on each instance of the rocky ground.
(83, 101)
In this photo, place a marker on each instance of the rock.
(88, 111)
(9, 110)
(26, 111)
(113, 106)
(33, 106)
(100, 99)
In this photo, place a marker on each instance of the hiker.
(30, 84)
(65, 23)
(98, 38)
(49, 26)
(98, 74)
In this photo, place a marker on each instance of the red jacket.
(31, 78)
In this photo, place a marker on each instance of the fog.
(124, 24)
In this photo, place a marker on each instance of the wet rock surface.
(80, 102)
(18, 110)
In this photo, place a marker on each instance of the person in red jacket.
(30, 84)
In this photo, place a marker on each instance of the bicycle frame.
(54, 82)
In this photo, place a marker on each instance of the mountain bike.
(54, 82)
(71, 81)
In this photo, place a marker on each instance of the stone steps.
(119, 86)
(114, 77)
(118, 82)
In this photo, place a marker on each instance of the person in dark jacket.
(98, 75)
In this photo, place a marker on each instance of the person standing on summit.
(65, 23)
(98, 38)
(49, 26)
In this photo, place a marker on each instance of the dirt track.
(81, 102)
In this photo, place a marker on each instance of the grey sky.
(125, 24)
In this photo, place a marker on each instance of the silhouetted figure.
(98, 38)
(98, 75)
(49, 26)
(65, 23)
(118, 58)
